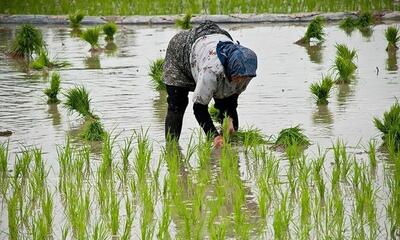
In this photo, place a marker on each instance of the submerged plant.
(321, 90)
(78, 100)
(28, 40)
(390, 126)
(292, 136)
(184, 23)
(392, 36)
(109, 30)
(314, 30)
(54, 88)
(91, 36)
(156, 73)
(75, 19)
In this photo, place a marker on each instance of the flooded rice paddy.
(279, 97)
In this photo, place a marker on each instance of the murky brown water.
(277, 98)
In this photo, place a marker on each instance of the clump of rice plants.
(43, 61)
(365, 20)
(93, 130)
(109, 30)
(54, 88)
(91, 36)
(184, 23)
(156, 72)
(75, 19)
(389, 125)
(314, 30)
(292, 136)
(348, 24)
(344, 63)
(322, 89)
(392, 36)
(343, 51)
(28, 40)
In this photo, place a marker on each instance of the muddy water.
(122, 96)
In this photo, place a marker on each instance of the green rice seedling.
(338, 217)
(128, 220)
(372, 153)
(93, 130)
(109, 30)
(389, 126)
(126, 151)
(365, 20)
(250, 137)
(147, 222)
(345, 69)
(290, 136)
(114, 212)
(184, 23)
(75, 19)
(392, 36)
(47, 210)
(28, 40)
(12, 207)
(78, 100)
(142, 155)
(321, 90)
(314, 30)
(91, 35)
(156, 74)
(348, 24)
(64, 233)
(282, 217)
(343, 51)
(165, 222)
(54, 88)
(39, 228)
(214, 113)
(3, 160)
(99, 232)
(43, 61)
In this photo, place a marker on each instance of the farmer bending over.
(208, 62)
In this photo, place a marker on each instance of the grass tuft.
(389, 125)
(292, 136)
(75, 19)
(184, 23)
(28, 40)
(392, 36)
(109, 30)
(156, 73)
(322, 89)
(54, 88)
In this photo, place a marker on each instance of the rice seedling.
(345, 70)
(3, 160)
(78, 100)
(128, 220)
(43, 61)
(372, 153)
(93, 130)
(343, 51)
(321, 90)
(156, 73)
(54, 88)
(184, 23)
(392, 36)
(282, 217)
(13, 217)
(47, 210)
(109, 30)
(291, 136)
(365, 20)
(126, 151)
(389, 126)
(250, 137)
(214, 113)
(91, 35)
(99, 232)
(348, 24)
(28, 40)
(114, 212)
(314, 31)
(143, 152)
(75, 19)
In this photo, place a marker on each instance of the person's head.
(240, 63)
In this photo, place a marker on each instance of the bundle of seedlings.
(392, 36)
(91, 35)
(28, 40)
(184, 23)
(292, 136)
(344, 63)
(109, 29)
(75, 19)
(54, 88)
(43, 61)
(315, 30)
(251, 136)
(78, 101)
(156, 72)
(214, 113)
(321, 90)
(348, 24)
(364, 20)
(389, 125)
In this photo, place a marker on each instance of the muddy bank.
(170, 19)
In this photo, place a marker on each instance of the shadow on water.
(93, 62)
(391, 62)
(322, 115)
(54, 114)
(111, 48)
(160, 106)
(314, 52)
(366, 32)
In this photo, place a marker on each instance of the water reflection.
(391, 62)
(76, 32)
(366, 32)
(55, 114)
(93, 62)
(344, 91)
(323, 116)
(314, 52)
(160, 106)
(111, 48)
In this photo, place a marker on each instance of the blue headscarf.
(237, 60)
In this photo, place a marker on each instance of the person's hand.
(218, 141)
